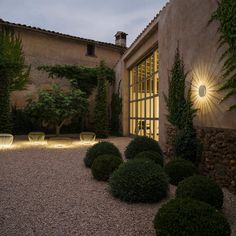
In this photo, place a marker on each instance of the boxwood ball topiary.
(141, 144)
(103, 166)
(201, 188)
(179, 169)
(139, 180)
(98, 150)
(186, 217)
(155, 156)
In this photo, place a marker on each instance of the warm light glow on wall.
(205, 92)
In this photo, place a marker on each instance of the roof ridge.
(61, 34)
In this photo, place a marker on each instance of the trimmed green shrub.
(179, 169)
(188, 146)
(103, 166)
(186, 217)
(141, 144)
(155, 156)
(201, 188)
(139, 180)
(100, 149)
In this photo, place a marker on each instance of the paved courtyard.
(48, 191)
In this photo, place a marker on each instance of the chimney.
(121, 39)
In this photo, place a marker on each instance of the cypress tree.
(116, 109)
(101, 112)
(13, 75)
(5, 114)
(176, 94)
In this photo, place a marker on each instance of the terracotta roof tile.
(63, 35)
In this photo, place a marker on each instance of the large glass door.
(144, 97)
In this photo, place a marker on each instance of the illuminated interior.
(144, 97)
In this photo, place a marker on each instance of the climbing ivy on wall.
(226, 16)
(80, 77)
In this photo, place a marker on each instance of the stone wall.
(219, 153)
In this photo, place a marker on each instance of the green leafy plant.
(80, 77)
(185, 217)
(104, 165)
(179, 169)
(181, 114)
(101, 119)
(99, 149)
(176, 95)
(21, 122)
(14, 74)
(139, 180)
(141, 144)
(188, 146)
(201, 188)
(226, 16)
(154, 156)
(116, 109)
(54, 107)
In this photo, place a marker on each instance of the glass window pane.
(131, 77)
(144, 107)
(156, 115)
(131, 126)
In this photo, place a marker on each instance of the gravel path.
(49, 192)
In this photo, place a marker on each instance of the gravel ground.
(48, 191)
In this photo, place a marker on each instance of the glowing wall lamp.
(202, 91)
(6, 140)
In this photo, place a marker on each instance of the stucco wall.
(186, 22)
(49, 49)
(145, 46)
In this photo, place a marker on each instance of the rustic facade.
(43, 47)
(184, 23)
(143, 71)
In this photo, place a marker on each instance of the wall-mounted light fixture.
(202, 90)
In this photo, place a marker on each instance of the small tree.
(181, 113)
(55, 107)
(14, 73)
(176, 94)
(101, 119)
(116, 109)
(186, 143)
